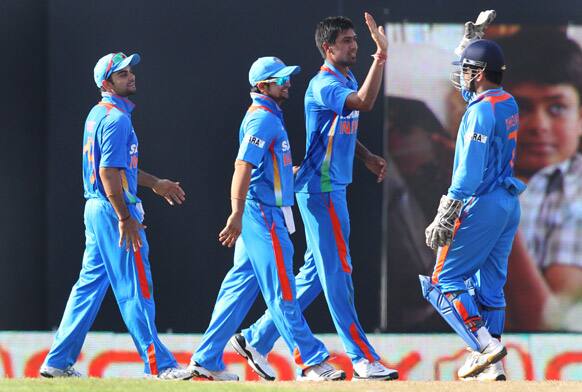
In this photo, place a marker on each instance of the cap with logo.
(265, 68)
(111, 63)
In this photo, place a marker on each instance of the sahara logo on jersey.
(285, 146)
(133, 156)
(255, 141)
(477, 137)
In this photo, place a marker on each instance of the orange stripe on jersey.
(143, 282)
(442, 255)
(281, 271)
(342, 249)
(360, 343)
(512, 135)
(252, 108)
(110, 106)
(152, 360)
(328, 70)
(495, 99)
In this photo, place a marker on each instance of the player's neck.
(486, 85)
(343, 69)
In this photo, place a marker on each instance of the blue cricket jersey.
(109, 140)
(485, 148)
(331, 131)
(264, 144)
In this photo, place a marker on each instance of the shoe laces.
(321, 369)
(166, 372)
(71, 372)
(377, 366)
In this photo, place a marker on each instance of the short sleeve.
(332, 94)
(258, 134)
(114, 137)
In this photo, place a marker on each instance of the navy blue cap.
(483, 53)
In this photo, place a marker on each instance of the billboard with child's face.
(422, 115)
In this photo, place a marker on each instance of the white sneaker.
(198, 371)
(256, 361)
(174, 373)
(493, 372)
(366, 370)
(478, 361)
(321, 372)
(51, 372)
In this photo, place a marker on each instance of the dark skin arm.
(238, 194)
(374, 163)
(365, 97)
(169, 190)
(129, 227)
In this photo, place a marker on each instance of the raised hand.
(377, 33)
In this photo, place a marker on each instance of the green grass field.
(125, 385)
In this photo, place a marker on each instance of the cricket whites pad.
(447, 310)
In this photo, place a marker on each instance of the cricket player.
(261, 200)
(332, 105)
(116, 248)
(477, 219)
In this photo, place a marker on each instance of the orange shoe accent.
(363, 346)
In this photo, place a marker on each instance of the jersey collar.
(122, 103)
(330, 69)
(268, 102)
(487, 93)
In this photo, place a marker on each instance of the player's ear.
(262, 88)
(327, 47)
(107, 86)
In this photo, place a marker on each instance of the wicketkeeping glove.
(475, 30)
(440, 231)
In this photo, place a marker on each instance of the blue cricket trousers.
(128, 273)
(263, 260)
(328, 266)
(479, 251)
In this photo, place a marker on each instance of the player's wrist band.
(380, 57)
(126, 218)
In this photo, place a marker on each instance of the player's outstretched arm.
(128, 226)
(238, 194)
(169, 190)
(365, 98)
(376, 164)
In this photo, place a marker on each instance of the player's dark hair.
(493, 76)
(544, 56)
(328, 29)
